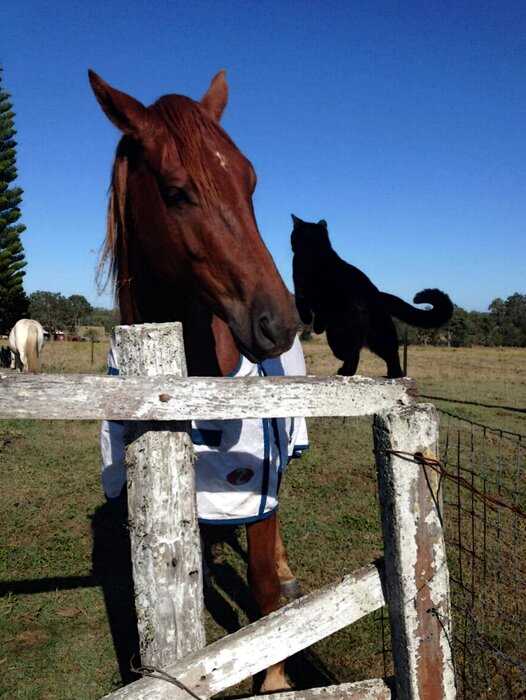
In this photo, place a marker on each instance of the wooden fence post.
(164, 532)
(416, 574)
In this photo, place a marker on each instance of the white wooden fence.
(154, 391)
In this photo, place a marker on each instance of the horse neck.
(209, 346)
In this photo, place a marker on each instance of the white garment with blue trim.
(239, 463)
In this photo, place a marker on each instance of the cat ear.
(323, 223)
(296, 221)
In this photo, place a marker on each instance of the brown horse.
(184, 246)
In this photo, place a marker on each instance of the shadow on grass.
(46, 585)
(227, 596)
(112, 570)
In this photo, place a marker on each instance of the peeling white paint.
(374, 689)
(85, 397)
(410, 430)
(266, 642)
(161, 496)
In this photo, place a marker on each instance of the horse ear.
(215, 98)
(125, 112)
(323, 223)
(296, 221)
(134, 120)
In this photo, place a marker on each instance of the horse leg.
(22, 354)
(289, 584)
(264, 584)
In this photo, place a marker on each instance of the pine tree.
(13, 301)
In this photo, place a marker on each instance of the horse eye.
(176, 197)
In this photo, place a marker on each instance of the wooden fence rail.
(374, 689)
(165, 544)
(85, 397)
(265, 642)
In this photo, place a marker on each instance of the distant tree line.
(59, 313)
(504, 324)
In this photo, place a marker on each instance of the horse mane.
(192, 130)
(109, 259)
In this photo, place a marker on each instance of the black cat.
(339, 299)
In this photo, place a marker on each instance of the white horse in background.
(26, 340)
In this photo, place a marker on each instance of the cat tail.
(421, 318)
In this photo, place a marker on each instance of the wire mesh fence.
(485, 530)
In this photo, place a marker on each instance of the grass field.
(63, 570)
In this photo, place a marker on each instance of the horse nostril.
(266, 327)
(271, 333)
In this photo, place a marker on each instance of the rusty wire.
(438, 467)
(159, 674)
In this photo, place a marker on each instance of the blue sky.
(402, 124)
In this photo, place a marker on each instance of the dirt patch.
(30, 638)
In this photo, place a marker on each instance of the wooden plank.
(265, 642)
(85, 397)
(416, 574)
(164, 533)
(374, 689)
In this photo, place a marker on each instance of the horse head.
(181, 220)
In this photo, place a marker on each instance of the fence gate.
(154, 392)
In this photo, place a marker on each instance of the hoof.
(275, 679)
(274, 687)
(291, 589)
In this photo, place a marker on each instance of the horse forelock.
(197, 136)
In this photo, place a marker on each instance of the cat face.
(309, 238)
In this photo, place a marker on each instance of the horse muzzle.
(264, 333)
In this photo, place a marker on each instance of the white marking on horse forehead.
(221, 158)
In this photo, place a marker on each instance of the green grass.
(54, 642)
(55, 637)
